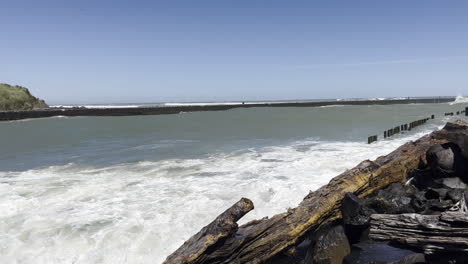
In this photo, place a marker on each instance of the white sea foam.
(460, 100)
(96, 106)
(202, 104)
(335, 105)
(141, 212)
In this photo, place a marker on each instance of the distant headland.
(16, 98)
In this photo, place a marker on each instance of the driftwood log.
(260, 240)
(432, 234)
(223, 226)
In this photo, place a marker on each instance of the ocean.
(133, 189)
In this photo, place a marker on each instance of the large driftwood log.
(223, 226)
(443, 233)
(260, 240)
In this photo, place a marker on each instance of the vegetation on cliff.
(18, 98)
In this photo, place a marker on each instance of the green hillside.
(18, 98)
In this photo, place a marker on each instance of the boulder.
(455, 195)
(415, 258)
(436, 193)
(355, 216)
(453, 182)
(446, 160)
(329, 246)
(438, 205)
(396, 198)
(376, 252)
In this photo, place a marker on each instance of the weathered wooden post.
(432, 116)
(385, 134)
(466, 111)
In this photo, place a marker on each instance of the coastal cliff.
(18, 98)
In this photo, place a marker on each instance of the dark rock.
(423, 179)
(395, 199)
(355, 216)
(438, 205)
(446, 160)
(436, 193)
(453, 182)
(419, 202)
(294, 255)
(415, 258)
(448, 258)
(397, 189)
(329, 246)
(455, 195)
(381, 205)
(375, 252)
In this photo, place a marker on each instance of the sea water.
(133, 189)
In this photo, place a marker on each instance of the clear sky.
(151, 51)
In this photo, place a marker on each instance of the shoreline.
(165, 110)
(409, 206)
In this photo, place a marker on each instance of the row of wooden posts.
(405, 127)
(392, 131)
(458, 112)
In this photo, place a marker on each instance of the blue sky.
(149, 51)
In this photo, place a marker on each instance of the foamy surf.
(140, 212)
(460, 100)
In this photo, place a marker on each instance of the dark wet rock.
(329, 246)
(446, 160)
(419, 202)
(416, 258)
(355, 216)
(294, 255)
(455, 195)
(439, 205)
(381, 205)
(441, 159)
(436, 193)
(396, 198)
(397, 189)
(423, 179)
(448, 258)
(376, 252)
(453, 182)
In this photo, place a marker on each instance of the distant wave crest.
(460, 100)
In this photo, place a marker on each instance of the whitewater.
(133, 189)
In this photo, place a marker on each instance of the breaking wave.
(140, 212)
(460, 100)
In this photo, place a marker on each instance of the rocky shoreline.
(409, 206)
(164, 110)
